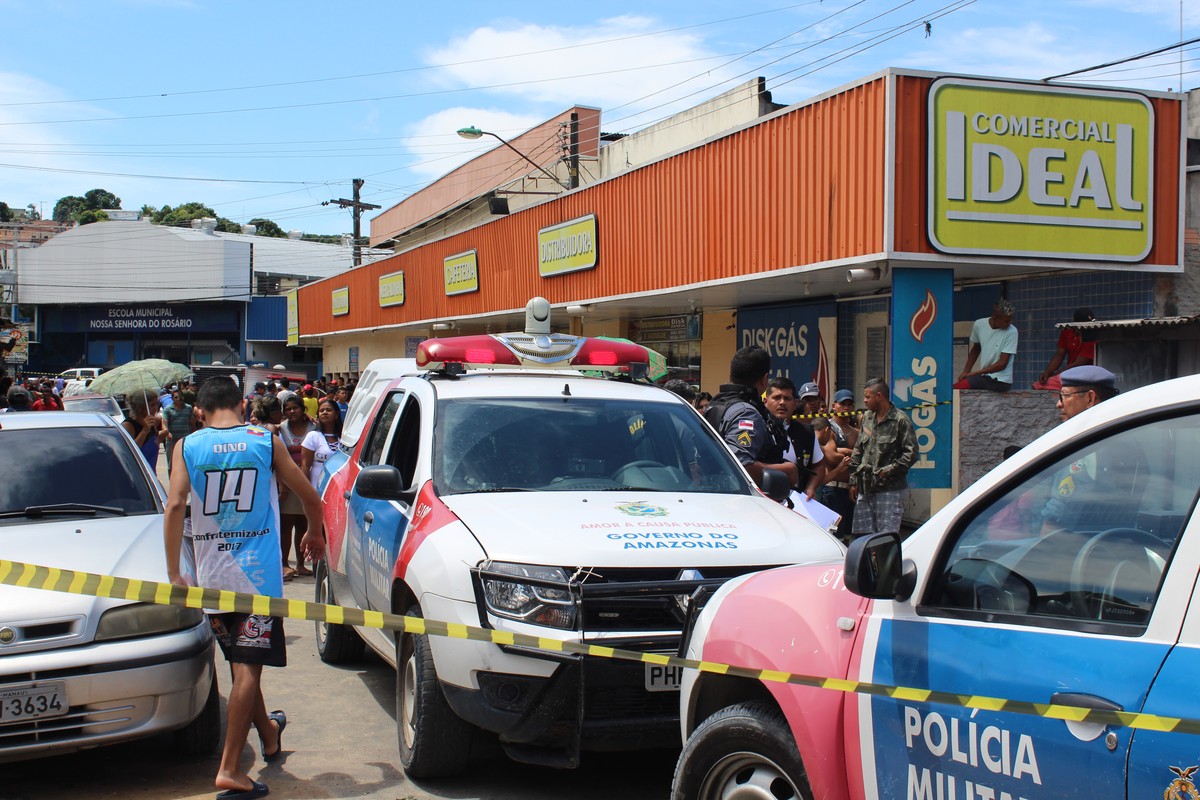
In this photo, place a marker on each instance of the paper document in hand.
(824, 516)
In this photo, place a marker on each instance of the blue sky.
(268, 109)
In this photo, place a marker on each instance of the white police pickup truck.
(493, 483)
(1063, 584)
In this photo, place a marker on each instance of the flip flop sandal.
(280, 719)
(255, 791)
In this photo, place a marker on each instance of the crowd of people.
(853, 463)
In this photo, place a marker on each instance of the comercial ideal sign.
(1040, 171)
(922, 365)
(568, 246)
(462, 273)
(340, 301)
(391, 289)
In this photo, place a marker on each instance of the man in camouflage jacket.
(879, 466)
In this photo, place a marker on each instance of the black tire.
(201, 736)
(434, 741)
(336, 644)
(745, 750)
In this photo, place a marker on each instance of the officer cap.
(1089, 376)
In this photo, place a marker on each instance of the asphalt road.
(340, 743)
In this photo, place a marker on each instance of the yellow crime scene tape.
(32, 576)
(858, 411)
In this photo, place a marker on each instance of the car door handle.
(368, 518)
(1082, 700)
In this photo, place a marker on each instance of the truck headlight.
(145, 619)
(535, 603)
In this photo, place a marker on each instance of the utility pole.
(356, 207)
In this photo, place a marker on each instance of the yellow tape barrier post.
(32, 576)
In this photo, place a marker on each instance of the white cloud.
(438, 149)
(609, 64)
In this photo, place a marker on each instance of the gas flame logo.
(922, 319)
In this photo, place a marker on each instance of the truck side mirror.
(875, 568)
(775, 485)
(380, 482)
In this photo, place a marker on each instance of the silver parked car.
(77, 671)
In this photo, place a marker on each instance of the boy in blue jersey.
(229, 469)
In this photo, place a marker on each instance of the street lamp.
(472, 133)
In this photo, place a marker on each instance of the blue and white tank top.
(235, 509)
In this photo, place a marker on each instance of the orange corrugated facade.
(912, 166)
(803, 187)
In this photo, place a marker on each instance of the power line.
(1124, 60)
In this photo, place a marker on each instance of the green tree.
(31, 212)
(98, 199)
(67, 208)
(268, 228)
(6, 214)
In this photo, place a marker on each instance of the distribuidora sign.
(1037, 171)
(568, 247)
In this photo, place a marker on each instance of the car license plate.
(662, 678)
(33, 701)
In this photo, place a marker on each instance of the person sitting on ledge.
(994, 346)
(1072, 351)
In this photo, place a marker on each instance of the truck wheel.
(336, 644)
(434, 741)
(200, 736)
(743, 751)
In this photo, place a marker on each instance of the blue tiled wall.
(1042, 302)
(845, 345)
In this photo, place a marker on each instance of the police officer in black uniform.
(803, 447)
(738, 415)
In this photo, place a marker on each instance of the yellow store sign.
(293, 318)
(391, 290)
(340, 299)
(1036, 171)
(462, 273)
(568, 246)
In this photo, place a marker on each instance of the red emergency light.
(542, 351)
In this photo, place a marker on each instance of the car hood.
(640, 529)
(128, 547)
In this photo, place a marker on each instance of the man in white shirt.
(994, 347)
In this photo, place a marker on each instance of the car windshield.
(104, 405)
(85, 471)
(578, 444)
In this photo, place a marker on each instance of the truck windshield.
(586, 444)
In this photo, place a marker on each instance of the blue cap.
(810, 390)
(1089, 376)
(843, 395)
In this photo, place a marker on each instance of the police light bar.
(530, 351)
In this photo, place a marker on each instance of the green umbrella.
(147, 376)
(658, 362)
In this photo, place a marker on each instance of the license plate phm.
(661, 678)
(33, 701)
